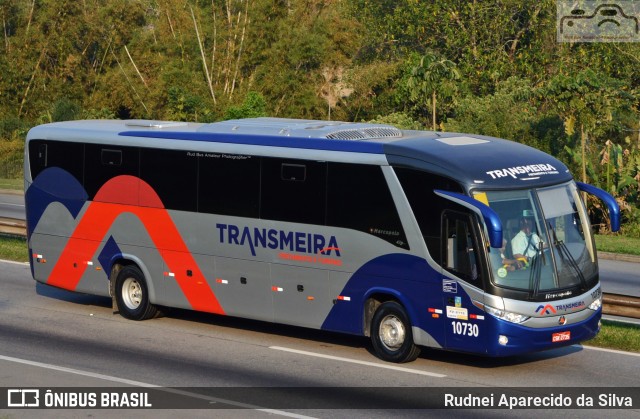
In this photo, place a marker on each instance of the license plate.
(560, 337)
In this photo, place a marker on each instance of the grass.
(13, 248)
(620, 336)
(618, 244)
(12, 184)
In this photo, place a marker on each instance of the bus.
(406, 237)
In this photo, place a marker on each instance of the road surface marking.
(14, 263)
(147, 385)
(355, 361)
(613, 351)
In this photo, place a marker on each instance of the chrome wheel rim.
(392, 332)
(131, 293)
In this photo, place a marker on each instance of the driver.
(502, 264)
(525, 244)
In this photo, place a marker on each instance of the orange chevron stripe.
(100, 216)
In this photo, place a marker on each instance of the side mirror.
(607, 199)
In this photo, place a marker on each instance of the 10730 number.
(465, 329)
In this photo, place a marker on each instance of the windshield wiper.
(536, 270)
(565, 254)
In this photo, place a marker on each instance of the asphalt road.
(50, 337)
(620, 277)
(12, 205)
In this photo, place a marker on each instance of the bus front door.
(461, 282)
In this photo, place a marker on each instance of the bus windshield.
(547, 245)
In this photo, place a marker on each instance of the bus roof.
(471, 159)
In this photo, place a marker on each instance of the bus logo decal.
(571, 306)
(293, 241)
(529, 170)
(548, 309)
(329, 249)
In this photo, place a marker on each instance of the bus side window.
(358, 198)
(41, 155)
(460, 252)
(293, 190)
(173, 174)
(229, 185)
(427, 207)
(65, 155)
(105, 162)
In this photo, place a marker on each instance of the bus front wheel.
(391, 334)
(132, 295)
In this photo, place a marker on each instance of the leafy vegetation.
(462, 65)
(12, 184)
(13, 248)
(615, 335)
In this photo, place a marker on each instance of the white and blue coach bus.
(443, 240)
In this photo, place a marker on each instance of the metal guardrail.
(612, 304)
(12, 227)
(621, 305)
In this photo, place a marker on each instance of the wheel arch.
(120, 261)
(378, 295)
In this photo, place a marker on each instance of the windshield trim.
(585, 276)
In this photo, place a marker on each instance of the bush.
(11, 157)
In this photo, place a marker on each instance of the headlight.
(506, 315)
(597, 303)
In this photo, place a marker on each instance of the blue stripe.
(355, 146)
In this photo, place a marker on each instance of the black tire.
(391, 334)
(132, 295)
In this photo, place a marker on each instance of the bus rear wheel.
(391, 334)
(132, 295)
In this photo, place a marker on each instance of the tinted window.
(358, 198)
(460, 250)
(293, 190)
(427, 207)
(104, 162)
(294, 172)
(229, 184)
(173, 175)
(111, 157)
(65, 155)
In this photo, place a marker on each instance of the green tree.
(399, 120)
(431, 76)
(509, 113)
(65, 109)
(588, 100)
(254, 106)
